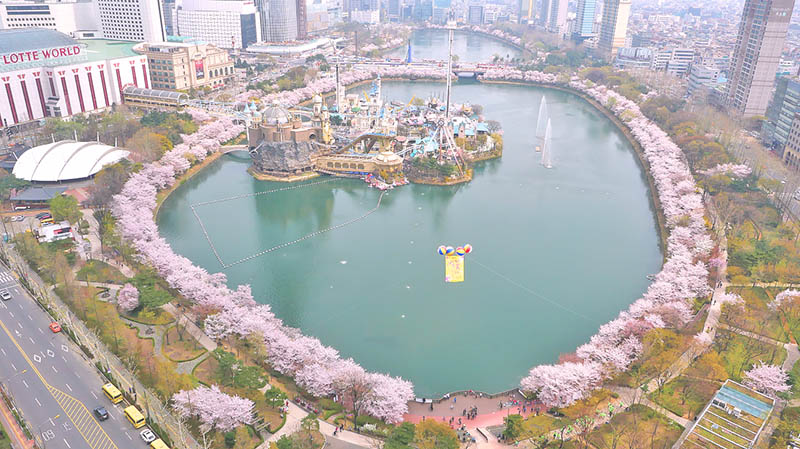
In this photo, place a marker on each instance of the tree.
(214, 409)
(149, 145)
(401, 437)
(226, 365)
(9, 183)
(230, 438)
(65, 207)
(275, 397)
(284, 442)
(432, 434)
(107, 183)
(513, 429)
(768, 379)
(128, 298)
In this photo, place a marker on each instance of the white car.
(148, 436)
(5, 295)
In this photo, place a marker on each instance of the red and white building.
(45, 73)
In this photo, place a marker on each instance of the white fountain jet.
(547, 147)
(541, 124)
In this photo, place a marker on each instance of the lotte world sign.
(47, 57)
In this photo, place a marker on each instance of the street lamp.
(39, 434)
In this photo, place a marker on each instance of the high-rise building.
(584, 19)
(302, 19)
(756, 55)
(223, 23)
(781, 112)
(557, 16)
(614, 26)
(475, 14)
(279, 20)
(170, 11)
(72, 17)
(527, 10)
(132, 20)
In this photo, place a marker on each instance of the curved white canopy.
(66, 160)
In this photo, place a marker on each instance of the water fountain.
(541, 123)
(546, 148)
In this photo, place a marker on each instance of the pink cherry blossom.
(128, 298)
(768, 379)
(214, 409)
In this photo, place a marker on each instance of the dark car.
(101, 413)
(42, 215)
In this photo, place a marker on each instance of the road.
(52, 383)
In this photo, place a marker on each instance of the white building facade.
(77, 18)
(62, 77)
(222, 23)
(131, 20)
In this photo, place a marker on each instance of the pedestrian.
(431, 405)
(459, 421)
(452, 406)
(454, 399)
(464, 412)
(423, 417)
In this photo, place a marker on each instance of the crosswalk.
(6, 279)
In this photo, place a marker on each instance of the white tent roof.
(66, 160)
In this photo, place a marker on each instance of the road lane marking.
(51, 422)
(26, 384)
(4, 352)
(11, 313)
(20, 325)
(74, 409)
(30, 318)
(15, 368)
(129, 436)
(65, 442)
(54, 369)
(32, 340)
(95, 396)
(70, 388)
(37, 401)
(40, 330)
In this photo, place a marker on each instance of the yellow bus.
(134, 416)
(112, 393)
(158, 444)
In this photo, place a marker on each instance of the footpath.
(13, 430)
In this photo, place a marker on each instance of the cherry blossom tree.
(128, 298)
(563, 385)
(214, 409)
(768, 379)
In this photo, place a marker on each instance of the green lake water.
(557, 252)
(470, 47)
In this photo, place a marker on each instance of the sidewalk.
(14, 432)
(194, 331)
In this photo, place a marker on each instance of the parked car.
(5, 295)
(147, 435)
(101, 413)
(54, 327)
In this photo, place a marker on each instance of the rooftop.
(102, 49)
(732, 420)
(24, 39)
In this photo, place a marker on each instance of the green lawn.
(98, 271)
(5, 442)
(759, 318)
(630, 428)
(739, 353)
(685, 396)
